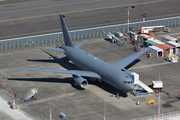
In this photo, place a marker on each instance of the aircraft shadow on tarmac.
(70, 80)
(54, 80)
(110, 89)
(64, 62)
(132, 64)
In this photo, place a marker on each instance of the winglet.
(66, 35)
(81, 43)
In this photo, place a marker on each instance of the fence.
(83, 33)
(166, 116)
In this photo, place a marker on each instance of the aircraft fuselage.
(109, 74)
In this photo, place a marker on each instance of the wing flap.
(121, 64)
(71, 72)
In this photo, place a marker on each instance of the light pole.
(144, 16)
(105, 110)
(128, 8)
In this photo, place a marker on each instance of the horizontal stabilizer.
(121, 64)
(71, 72)
(55, 49)
(81, 43)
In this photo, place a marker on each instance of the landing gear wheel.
(125, 95)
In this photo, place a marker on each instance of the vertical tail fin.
(66, 35)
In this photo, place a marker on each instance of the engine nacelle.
(81, 82)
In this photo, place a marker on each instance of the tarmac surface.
(59, 92)
(21, 18)
(17, 114)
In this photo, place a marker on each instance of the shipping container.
(166, 48)
(176, 45)
(157, 41)
(169, 38)
(156, 50)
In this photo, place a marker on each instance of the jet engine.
(81, 82)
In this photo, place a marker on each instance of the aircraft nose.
(130, 87)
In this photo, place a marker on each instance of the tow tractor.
(32, 98)
(150, 102)
(140, 92)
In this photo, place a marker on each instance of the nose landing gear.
(125, 95)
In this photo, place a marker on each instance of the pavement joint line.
(77, 11)
(147, 109)
(91, 112)
(22, 3)
(51, 6)
(119, 107)
(5, 74)
(168, 34)
(145, 66)
(47, 99)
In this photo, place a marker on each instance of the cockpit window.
(125, 81)
(128, 82)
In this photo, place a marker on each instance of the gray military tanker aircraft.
(113, 74)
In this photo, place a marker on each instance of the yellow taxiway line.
(20, 2)
(140, 3)
(51, 6)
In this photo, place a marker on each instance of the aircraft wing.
(71, 72)
(55, 49)
(121, 64)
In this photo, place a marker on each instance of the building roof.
(145, 36)
(155, 48)
(157, 41)
(170, 38)
(165, 46)
(151, 42)
(173, 43)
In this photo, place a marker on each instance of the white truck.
(157, 84)
(169, 38)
